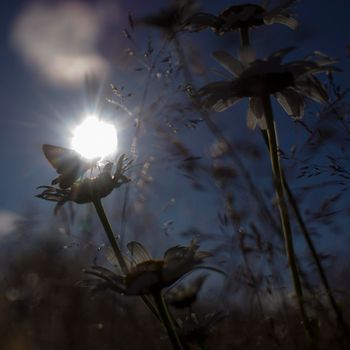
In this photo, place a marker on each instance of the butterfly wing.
(67, 162)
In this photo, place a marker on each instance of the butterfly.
(69, 164)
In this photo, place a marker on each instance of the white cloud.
(60, 39)
(8, 221)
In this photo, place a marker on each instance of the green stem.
(282, 206)
(108, 229)
(167, 320)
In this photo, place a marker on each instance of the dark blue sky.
(33, 110)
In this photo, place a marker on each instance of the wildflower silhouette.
(243, 17)
(87, 190)
(146, 275)
(288, 82)
(92, 190)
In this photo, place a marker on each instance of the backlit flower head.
(244, 16)
(254, 78)
(147, 275)
(87, 189)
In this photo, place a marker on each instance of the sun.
(94, 138)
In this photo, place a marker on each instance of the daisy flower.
(87, 190)
(252, 78)
(244, 16)
(146, 275)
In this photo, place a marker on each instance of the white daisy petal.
(251, 118)
(299, 68)
(282, 15)
(230, 63)
(262, 123)
(219, 96)
(111, 258)
(256, 113)
(292, 102)
(284, 8)
(257, 106)
(117, 281)
(312, 88)
(138, 252)
(222, 105)
(290, 22)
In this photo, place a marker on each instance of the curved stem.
(167, 320)
(282, 206)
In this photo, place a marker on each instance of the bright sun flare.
(94, 138)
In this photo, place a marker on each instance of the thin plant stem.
(314, 254)
(116, 249)
(109, 232)
(245, 42)
(282, 206)
(167, 320)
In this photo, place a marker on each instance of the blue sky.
(39, 106)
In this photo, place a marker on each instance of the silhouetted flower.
(244, 16)
(288, 82)
(147, 275)
(88, 189)
(170, 19)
